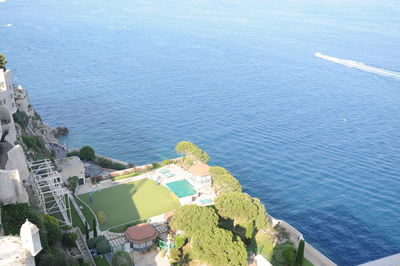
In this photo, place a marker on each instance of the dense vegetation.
(192, 152)
(3, 62)
(225, 233)
(14, 215)
(121, 258)
(87, 153)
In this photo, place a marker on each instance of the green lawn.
(76, 220)
(306, 262)
(101, 261)
(127, 202)
(86, 212)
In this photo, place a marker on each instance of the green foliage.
(261, 221)
(73, 182)
(122, 228)
(86, 230)
(223, 181)
(33, 143)
(94, 228)
(73, 153)
(264, 244)
(192, 152)
(53, 229)
(101, 216)
(192, 219)
(155, 165)
(87, 153)
(121, 258)
(56, 257)
(100, 243)
(3, 62)
(237, 206)
(106, 163)
(217, 170)
(167, 162)
(21, 118)
(68, 240)
(218, 247)
(300, 253)
(180, 241)
(103, 247)
(175, 255)
(14, 215)
(284, 255)
(249, 229)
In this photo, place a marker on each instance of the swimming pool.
(181, 188)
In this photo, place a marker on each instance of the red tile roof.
(141, 233)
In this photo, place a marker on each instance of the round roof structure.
(200, 169)
(140, 233)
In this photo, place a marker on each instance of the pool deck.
(179, 174)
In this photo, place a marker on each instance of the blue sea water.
(317, 142)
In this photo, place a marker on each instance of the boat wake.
(361, 66)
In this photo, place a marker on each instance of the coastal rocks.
(60, 131)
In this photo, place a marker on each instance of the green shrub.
(174, 254)
(180, 241)
(33, 143)
(68, 240)
(167, 162)
(121, 258)
(101, 216)
(14, 215)
(300, 253)
(155, 165)
(249, 230)
(53, 229)
(284, 254)
(87, 153)
(106, 163)
(73, 182)
(21, 118)
(100, 243)
(73, 153)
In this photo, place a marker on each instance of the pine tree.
(94, 228)
(87, 230)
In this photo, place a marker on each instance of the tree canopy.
(218, 247)
(3, 62)
(87, 153)
(193, 219)
(192, 152)
(223, 181)
(53, 229)
(73, 182)
(121, 258)
(261, 220)
(237, 206)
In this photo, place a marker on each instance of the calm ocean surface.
(318, 142)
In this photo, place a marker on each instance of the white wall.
(17, 160)
(11, 189)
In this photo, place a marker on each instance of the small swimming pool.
(181, 188)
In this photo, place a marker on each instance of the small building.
(71, 166)
(141, 237)
(200, 174)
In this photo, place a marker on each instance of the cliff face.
(32, 133)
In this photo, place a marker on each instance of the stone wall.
(316, 257)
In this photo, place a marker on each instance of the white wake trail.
(361, 66)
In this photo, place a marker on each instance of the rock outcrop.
(60, 131)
